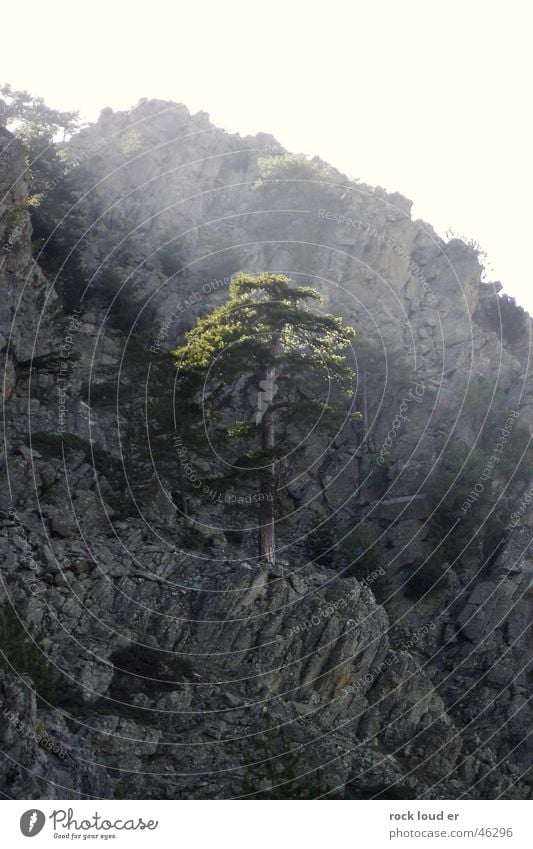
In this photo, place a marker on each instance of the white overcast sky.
(431, 98)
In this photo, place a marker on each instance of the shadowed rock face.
(178, 655)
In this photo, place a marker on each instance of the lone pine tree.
(266, 357)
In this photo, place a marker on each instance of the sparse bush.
(130, 143)
(429, 576)
(296, 178)
(144, 669)
(57, 222)
(320, 545)
(457, 473)
(21, 653)
(358, 555)
(275, 770)
(235, 536)
(470, 484)
(507, 318)
(378, 472)
(105, 464)
(192, 537)
(50, 363)
(494, 538)
(170, 258)
(50, 445)
(128, 310)
(480, 400)
(290, 167)
(100, 394)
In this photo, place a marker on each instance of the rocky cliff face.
(189, 669)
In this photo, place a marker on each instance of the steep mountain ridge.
(181, 650)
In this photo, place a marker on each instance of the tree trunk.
(183, 494)
(267, 531)
(365, 410)
(365, 445)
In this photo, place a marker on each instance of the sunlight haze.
(440, 113)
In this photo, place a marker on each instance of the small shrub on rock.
(429, 577)
(320, 545)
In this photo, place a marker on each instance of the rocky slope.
(188, 668)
